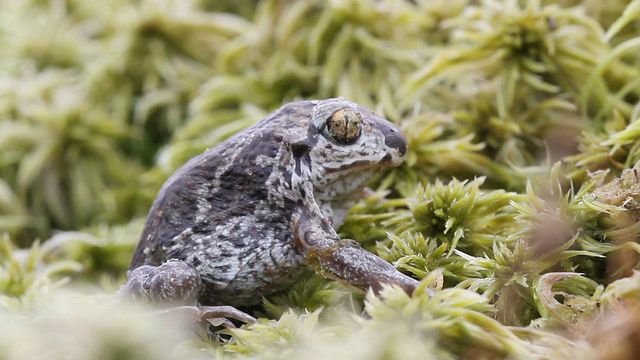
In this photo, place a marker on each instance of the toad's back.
(226, 213)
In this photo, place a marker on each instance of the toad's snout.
(395, 140)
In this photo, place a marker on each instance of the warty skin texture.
(244, 219)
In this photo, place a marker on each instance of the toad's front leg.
(343, 259)
(174, 287)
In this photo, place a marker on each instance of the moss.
(518, 202)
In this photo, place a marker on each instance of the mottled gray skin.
(245, 218)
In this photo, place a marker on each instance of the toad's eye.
(344, 126)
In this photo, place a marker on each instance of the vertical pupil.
(339, 123)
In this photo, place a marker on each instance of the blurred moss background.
(519, 202)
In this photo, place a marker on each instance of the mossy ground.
(518, 203)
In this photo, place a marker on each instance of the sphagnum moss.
(528, 260)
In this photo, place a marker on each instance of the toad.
(243, 219)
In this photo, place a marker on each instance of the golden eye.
(344, 126)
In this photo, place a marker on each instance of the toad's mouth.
(358, 164)
(388, 161)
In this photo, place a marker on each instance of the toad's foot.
(215, 315)
(175, 287)
(342, 259)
